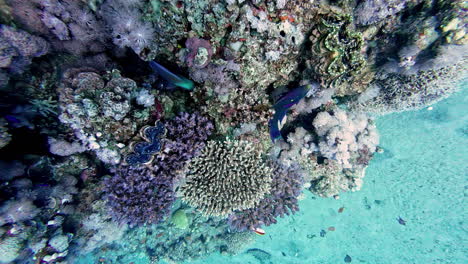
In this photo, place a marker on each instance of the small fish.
(323, 233)
(401, 221)
(331, 228)
(341, 209)
(259, 231)
(348, 259)
(172, 78)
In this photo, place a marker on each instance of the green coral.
(180, 219)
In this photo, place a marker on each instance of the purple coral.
(17, 49)
(199, 52)
(282, 200)
(185, 138)
(138, 195)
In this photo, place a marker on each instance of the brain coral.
(227, 176)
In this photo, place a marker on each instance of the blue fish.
(291, 98)
(281, 109)
(12, 119)
(172, 78)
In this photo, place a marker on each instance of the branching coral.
(395, 92)
(136, 195)
(185, 138)
(286, 186)
(227, 176)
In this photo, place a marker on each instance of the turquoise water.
(421, 177)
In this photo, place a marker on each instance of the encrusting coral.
(95, 107)
(226, 176)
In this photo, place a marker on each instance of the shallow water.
(420, 177)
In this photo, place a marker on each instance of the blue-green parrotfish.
(172, 79)
(282, 106)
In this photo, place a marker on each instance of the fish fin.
(276, 123)
(282, 122)
(171, 77)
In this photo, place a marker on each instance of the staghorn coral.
(101, 110)
(227, 176)
(137, 195)
(286, 186)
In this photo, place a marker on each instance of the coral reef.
(286, 186)
(68, 25)
(136, 195)
(337, 60)
(102, 154)
(227, 176)
(10, 247)
(395, 92)
(344, 140)
(95, 107)
(17, 49)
